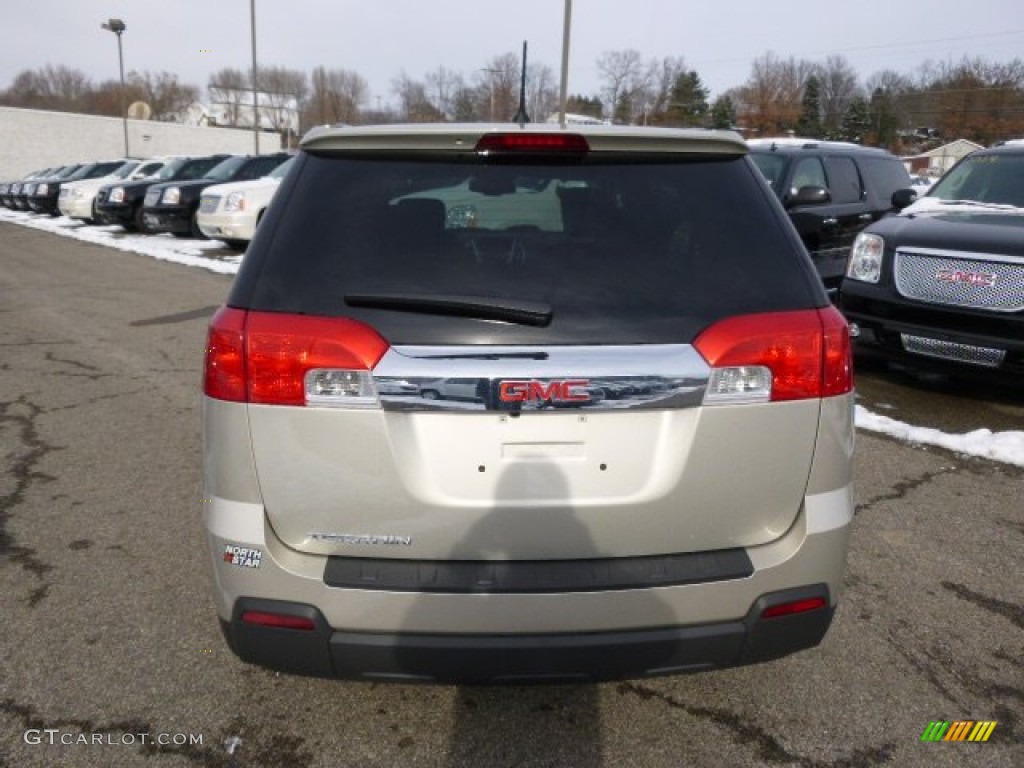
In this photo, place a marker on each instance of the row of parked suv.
(219, 196)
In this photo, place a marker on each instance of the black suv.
(172, 206)
(121, 203)
(831, 191)
(942, 284)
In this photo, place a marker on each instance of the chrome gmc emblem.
(980, 279)
(563, 391)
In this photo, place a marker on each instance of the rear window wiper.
(520, 311)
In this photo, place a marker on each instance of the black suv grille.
(958, 279)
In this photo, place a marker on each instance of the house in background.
(936, 162)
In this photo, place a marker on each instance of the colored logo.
(981, 279)
(567, 391)
(958, 730)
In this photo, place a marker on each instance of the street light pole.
(563, 96)
(118, 27)
(255, 97)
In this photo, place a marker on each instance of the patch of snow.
(1007, 447)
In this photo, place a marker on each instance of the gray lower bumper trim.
(536, 576)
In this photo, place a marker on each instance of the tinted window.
(885, 175)
(808, 172)
(258, 167)
(772, 166)
(171, 169)
(844, 181)
(226, 169)
(197, 169)
(620, 252)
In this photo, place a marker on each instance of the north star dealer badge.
(242, 557)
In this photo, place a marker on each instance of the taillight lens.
(561, 143)
(777, 356)
(283, 359)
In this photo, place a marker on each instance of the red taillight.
(797, 606)
(837, 375)
(571, 143)
(278, 620)
(807, 351)
(263, 357)
(224, 369)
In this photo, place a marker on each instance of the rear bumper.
(531, 658)
(556, 635)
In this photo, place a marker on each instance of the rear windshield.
(618, 252)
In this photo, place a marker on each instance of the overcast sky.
(381, 38)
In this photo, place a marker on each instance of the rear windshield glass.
(619, 252)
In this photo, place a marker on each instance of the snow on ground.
(1007, 447)
(164, 247)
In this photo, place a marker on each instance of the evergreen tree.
(857, 120)
(688, 100)
(809, 124)
(723, 113)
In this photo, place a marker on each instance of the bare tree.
(167, 98)
(498, 85)
(414, 103)
(541, 92)
(282, 92)
(441, 86)
(770, 101)
(838, 87)
(626, 80)
(337, 96)
(51, 87)
(230, 90)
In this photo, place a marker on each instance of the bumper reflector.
(278, 620)
(796, 606)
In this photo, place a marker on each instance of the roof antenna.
(521, 117)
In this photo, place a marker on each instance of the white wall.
(31, 139)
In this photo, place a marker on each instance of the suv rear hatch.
(469, 345)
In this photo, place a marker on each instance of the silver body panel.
(810, 549)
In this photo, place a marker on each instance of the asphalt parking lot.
(112, 655)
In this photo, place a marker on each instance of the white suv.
(535, 528)
(230, 212)
(77, 198)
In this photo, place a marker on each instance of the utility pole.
(563, 98)
(255, 94)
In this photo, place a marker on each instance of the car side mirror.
(901, 198)
(809, 195)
